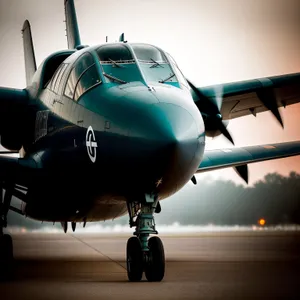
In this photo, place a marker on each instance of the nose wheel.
(155, 266)
(135, 259)
(143, 254)
(151, 261)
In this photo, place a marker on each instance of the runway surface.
(206, 266)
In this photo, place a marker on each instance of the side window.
(70, 86)
(54, 78)
(58, 79)
(80, 66)
(88, 79)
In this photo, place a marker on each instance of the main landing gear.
(6, 244)
(143, 254)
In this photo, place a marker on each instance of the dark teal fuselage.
(113, 123)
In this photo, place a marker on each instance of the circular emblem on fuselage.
(91, 144)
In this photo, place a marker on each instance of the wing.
(240, 157)
(12, 99)
(255, 96)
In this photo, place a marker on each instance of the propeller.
(211, 110)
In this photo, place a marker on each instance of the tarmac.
(241, 265)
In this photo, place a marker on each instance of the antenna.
(122, 38)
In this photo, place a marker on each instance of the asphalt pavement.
(230, 265)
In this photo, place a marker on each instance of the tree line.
(276, 198)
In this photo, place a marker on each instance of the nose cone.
(173, 133)
(171, 123)
(168, 138)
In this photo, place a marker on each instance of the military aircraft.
(90, 115)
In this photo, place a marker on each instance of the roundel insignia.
(91, 144)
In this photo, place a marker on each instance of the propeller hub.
(219, 116)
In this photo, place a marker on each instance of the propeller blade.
(196, 91)
(225, 132)
(209, 104)
(219, 96)
(214, 106)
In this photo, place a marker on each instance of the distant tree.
(275, 198)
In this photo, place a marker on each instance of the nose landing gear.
(143, 254)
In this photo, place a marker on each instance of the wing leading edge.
(240, 157)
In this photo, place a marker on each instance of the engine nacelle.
(11, 141)
(13, 117)
(12, 129)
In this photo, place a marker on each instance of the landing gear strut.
(6, 244)
(143, 254)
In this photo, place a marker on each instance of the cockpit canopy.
(119, 63)
(123, 63)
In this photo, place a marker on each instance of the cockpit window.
(178, 72)
(148, 53)
(154, 64)
(123, 63)
(83, 76)
(118, 53)
(118, 64)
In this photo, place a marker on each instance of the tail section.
(72, 25)
(30, 64)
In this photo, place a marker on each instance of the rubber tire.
(134, 259)
(6, 257)
(155, 268)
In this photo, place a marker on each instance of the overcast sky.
(213, 41)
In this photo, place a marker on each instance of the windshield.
(118, 64)
(178, 72)
(154, 64)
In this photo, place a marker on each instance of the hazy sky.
(213, 41)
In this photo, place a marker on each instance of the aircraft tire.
(6, 257)
(134, 259)
(155, 267)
